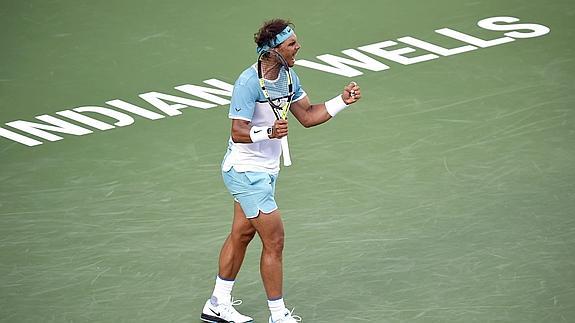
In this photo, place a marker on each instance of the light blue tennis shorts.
(253, 190)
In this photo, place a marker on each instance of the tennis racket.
(276, 83)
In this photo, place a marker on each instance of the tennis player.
(250, 170)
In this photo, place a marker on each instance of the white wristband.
(335, 105)
(259, 133)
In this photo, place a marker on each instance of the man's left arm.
(310, 115)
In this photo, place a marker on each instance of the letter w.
(339, 65)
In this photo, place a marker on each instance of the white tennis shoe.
(223, 313)
(288, 317)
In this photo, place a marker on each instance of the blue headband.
(280, 38)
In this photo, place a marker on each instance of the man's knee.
(274, 244)
(244, 236)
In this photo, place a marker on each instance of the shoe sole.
(214, 319)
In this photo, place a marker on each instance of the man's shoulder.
(294, 74)
(248, 76)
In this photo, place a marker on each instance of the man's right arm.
(242, 130)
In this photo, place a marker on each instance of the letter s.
(536, 30)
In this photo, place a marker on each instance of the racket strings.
(275, 78)
(278, 89)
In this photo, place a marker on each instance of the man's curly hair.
(269, 30)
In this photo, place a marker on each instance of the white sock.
(222, 291)
(277, 308)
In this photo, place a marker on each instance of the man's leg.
(234, 248)
(271, 231)
(219, 307)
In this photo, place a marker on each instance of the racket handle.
(285, 151)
